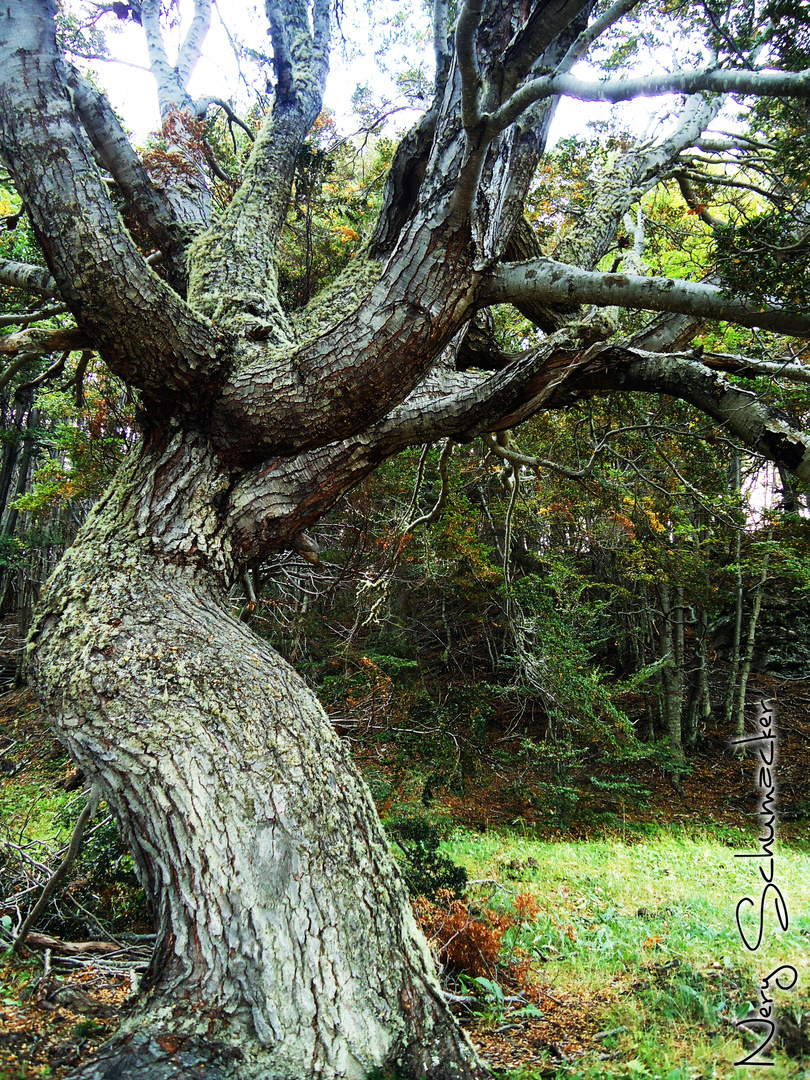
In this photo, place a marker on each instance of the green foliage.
(335, 198)
(426, 872)
(561, 624)
(649, 922)
(759, 259)
(83, 444)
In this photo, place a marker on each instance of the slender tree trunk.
(286, 947)
(750, 638)
(12, 513)
(649, 637)
(11, 452)
(672, 646)
(734, 667)
(700, 706)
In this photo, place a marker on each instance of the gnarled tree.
(285, 943)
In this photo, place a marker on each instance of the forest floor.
(56, 1005)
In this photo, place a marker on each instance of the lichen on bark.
(286, 946)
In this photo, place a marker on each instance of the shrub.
(426, 872)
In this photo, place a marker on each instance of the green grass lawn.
(653, 923)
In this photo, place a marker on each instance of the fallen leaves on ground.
(567, 1030)
(57, 1020)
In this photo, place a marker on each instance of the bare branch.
(441, 502)
(191, 49)
(765, 83)
(25, 318)
(692, 201)
(749, 367)
(553, 281)
(60, 872)
(740, 411)
(16, 367)
(56, 368)
(583, 43)
(728, 182)
(202, 105)
(172, 95)
(531, 462)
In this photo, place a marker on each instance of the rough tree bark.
(285, 940)
(286, 948)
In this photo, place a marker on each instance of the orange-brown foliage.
(469, 944)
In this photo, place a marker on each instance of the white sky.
(132, 91)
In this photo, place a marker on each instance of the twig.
(61, 871)
(795, 730)
(607, 1034)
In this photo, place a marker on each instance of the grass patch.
(650, 925)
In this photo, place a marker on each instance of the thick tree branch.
(764, 83)
(145, 332)
(39, 342)
(441, 50)
(34, 279)
(498, 167)
(402, 184)
(466, 27)
(551, 281)
(739, 411)
(276, 499)
(232, 267)
(282, 495)
(547, 21)
(667, 333)
(524, 246)
(186, 185)
(154, 212)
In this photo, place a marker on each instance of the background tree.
(285, 943)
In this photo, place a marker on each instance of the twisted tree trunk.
(285, 941)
